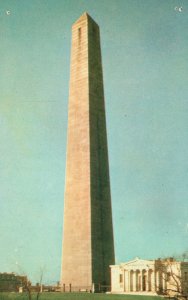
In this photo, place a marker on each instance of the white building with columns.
(161, 276)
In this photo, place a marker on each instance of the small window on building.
(185, 276)
(168, 276)
(79, 32)
(120, 278)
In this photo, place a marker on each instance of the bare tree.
(39, 291)
(174, 275)
(27, 286)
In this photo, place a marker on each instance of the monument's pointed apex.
(85, 16)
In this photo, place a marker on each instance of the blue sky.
(144, 50)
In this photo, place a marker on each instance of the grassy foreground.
(75, 296)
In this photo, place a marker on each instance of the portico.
(137, 276)
(159, 276)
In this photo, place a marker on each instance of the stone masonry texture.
(88, 246)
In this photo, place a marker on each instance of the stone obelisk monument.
(88, 246)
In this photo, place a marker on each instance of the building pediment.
(137, 263)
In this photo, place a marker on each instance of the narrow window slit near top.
(79, 33)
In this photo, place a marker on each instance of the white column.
(158, 284)
(147, 280)
(131, 281)
(153, 281)
(134, 281)
(137, 280)
(141, 280)
(164, 279)
(126, 281)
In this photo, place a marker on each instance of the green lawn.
(75, 296)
